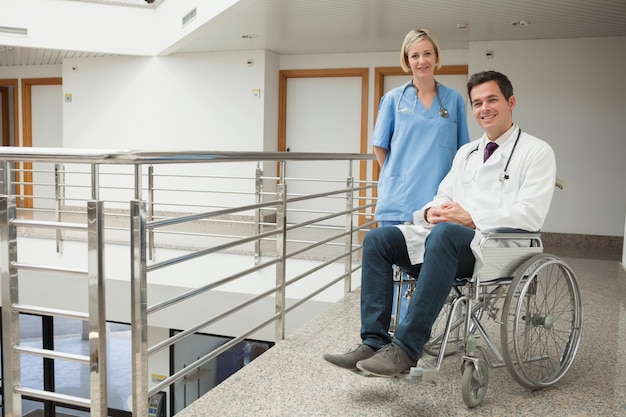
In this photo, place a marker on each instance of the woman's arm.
(381, 155)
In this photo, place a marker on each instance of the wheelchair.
(531, 296)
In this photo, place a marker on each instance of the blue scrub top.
(421, 146)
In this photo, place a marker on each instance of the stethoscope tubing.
(504, 175)
(443, 112)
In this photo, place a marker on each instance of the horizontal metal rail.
(52, 396)
(48, 224)
(52, 354)
(52, 312)
(41, 268)
(175, 300)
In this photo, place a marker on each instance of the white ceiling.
(289, 27)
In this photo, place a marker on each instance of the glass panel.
(72, 378)
(63, 412)
(31, 366)
(32, 408)
(119, 349)
(214, 371)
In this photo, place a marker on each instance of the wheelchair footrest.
(424, 374)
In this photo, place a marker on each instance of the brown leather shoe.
(390, 360)
(348, 360)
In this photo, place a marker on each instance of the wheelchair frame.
(535, 299)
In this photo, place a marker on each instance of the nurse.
(419, 128)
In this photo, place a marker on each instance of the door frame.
(6, 84)
(27, 133)
(363, 73)
(6, 135)
(285, 75)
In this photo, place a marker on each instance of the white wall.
(197, 101)
(571, 92)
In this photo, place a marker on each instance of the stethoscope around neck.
(504, 175)
(443, 112)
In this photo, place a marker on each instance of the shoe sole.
(341, 367)
(365, 372)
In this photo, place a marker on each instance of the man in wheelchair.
(504, 179)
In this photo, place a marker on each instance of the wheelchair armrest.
(513, 235)
(509, 233)
(507, 230)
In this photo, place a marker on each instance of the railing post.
(281, 252)
(59, 194)
(150, 207)
(139, 307)
(258, 188)
(5, 189)
(10, 318)
(97, 309)
(349, 237)
(95, 181)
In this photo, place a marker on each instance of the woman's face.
(422, 59)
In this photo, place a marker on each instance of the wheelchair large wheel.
(541, 322)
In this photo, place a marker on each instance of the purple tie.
(491, 147)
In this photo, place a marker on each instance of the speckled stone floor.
(292, 379)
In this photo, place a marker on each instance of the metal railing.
(170, 209)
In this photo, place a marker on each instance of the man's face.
(492, 111)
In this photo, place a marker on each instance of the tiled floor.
(292, 379)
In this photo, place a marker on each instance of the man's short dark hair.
(482, 77)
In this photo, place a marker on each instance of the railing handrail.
(116, 156)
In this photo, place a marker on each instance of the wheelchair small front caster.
(474, 382)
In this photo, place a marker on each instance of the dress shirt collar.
(501, 140)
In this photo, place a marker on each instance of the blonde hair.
(413, 37)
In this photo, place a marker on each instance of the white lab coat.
(522, 201)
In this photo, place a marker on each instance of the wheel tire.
(541, 322)
(474, 383)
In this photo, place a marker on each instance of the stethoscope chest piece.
(443, 112)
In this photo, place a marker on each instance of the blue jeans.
(447, 256)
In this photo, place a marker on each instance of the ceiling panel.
(344, 26)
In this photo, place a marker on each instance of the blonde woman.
(419, 128)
